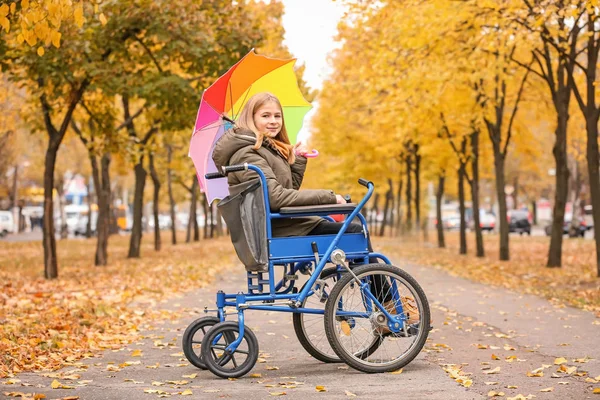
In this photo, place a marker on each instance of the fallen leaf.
(492, 393)
(512, 387)
(596, 391)
(550, 389)
(251, 376)
(492, 371)
(495, 357)
(187, 392)
(136, 353)
(491, 383)
(320, 388)
(560, 360)
(277, 393)
(191, 376)
(271, 368)
(349, 394)
(397, 372)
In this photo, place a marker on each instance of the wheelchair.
(373, 316)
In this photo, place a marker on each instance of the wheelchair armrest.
(325, 208)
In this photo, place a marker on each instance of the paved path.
(472, 322)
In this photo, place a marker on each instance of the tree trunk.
(138, 205)
(155, 200)
(49, 240)
(408, 193)
(205, 213)
(502, 211)
(386, 208)
(374, 214)
(171, 198)
(439, 195)
(575, 200)
(193, 221)
(461, 207)
(60, 190)
(559, 151)
(88, 226)
(593, 163)
(14, 197)
(417, 186)
(103, 193)
(399, 206)
(534, 208)
(516, 192)
(480, 252)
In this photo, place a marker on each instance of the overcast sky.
(310, 27)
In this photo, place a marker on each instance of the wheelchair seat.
(324, 208)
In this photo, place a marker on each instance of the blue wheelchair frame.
(295, 254)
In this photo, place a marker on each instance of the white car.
(7, 223)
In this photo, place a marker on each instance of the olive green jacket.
(283, 179)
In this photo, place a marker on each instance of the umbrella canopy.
(227, 96)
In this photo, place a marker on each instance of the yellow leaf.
(560, 360)
(254, 376)
(271, 368)
(13, 8)
(467, 383)
(191, 376)
(492, 371)
(4, 10)
(55, 384)
(596, 391)
(277, 393)
(187, 392)
(550, 389)
(25, 4)
(78, 15)
(320, 388)
(102, 19)
(397, 372)
(512, 387)
(5, 23)
(349, 394)
(56, 35)
(345, 326)
(136, 353)
(495, 357)
(492, 393)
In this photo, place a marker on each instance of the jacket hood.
(230, 143)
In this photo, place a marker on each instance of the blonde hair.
(246, 121)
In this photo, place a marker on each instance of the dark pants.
(380, 284)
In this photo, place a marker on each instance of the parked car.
(451, 222)
(581, 229)
(7, 223)
(519, 222)
(487, 221)
(81, 226)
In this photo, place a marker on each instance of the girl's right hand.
(339, 199)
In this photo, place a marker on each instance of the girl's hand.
(339, 199)
(300, 149)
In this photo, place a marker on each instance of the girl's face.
(268, 119)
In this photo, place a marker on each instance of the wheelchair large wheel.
(192, 339)
(310, 328)
(346, 334)
(222, 363)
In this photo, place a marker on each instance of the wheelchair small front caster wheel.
(222, 362)
(193, 337)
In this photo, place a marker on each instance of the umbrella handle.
(312, 154)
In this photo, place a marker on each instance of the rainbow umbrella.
(223, 101)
